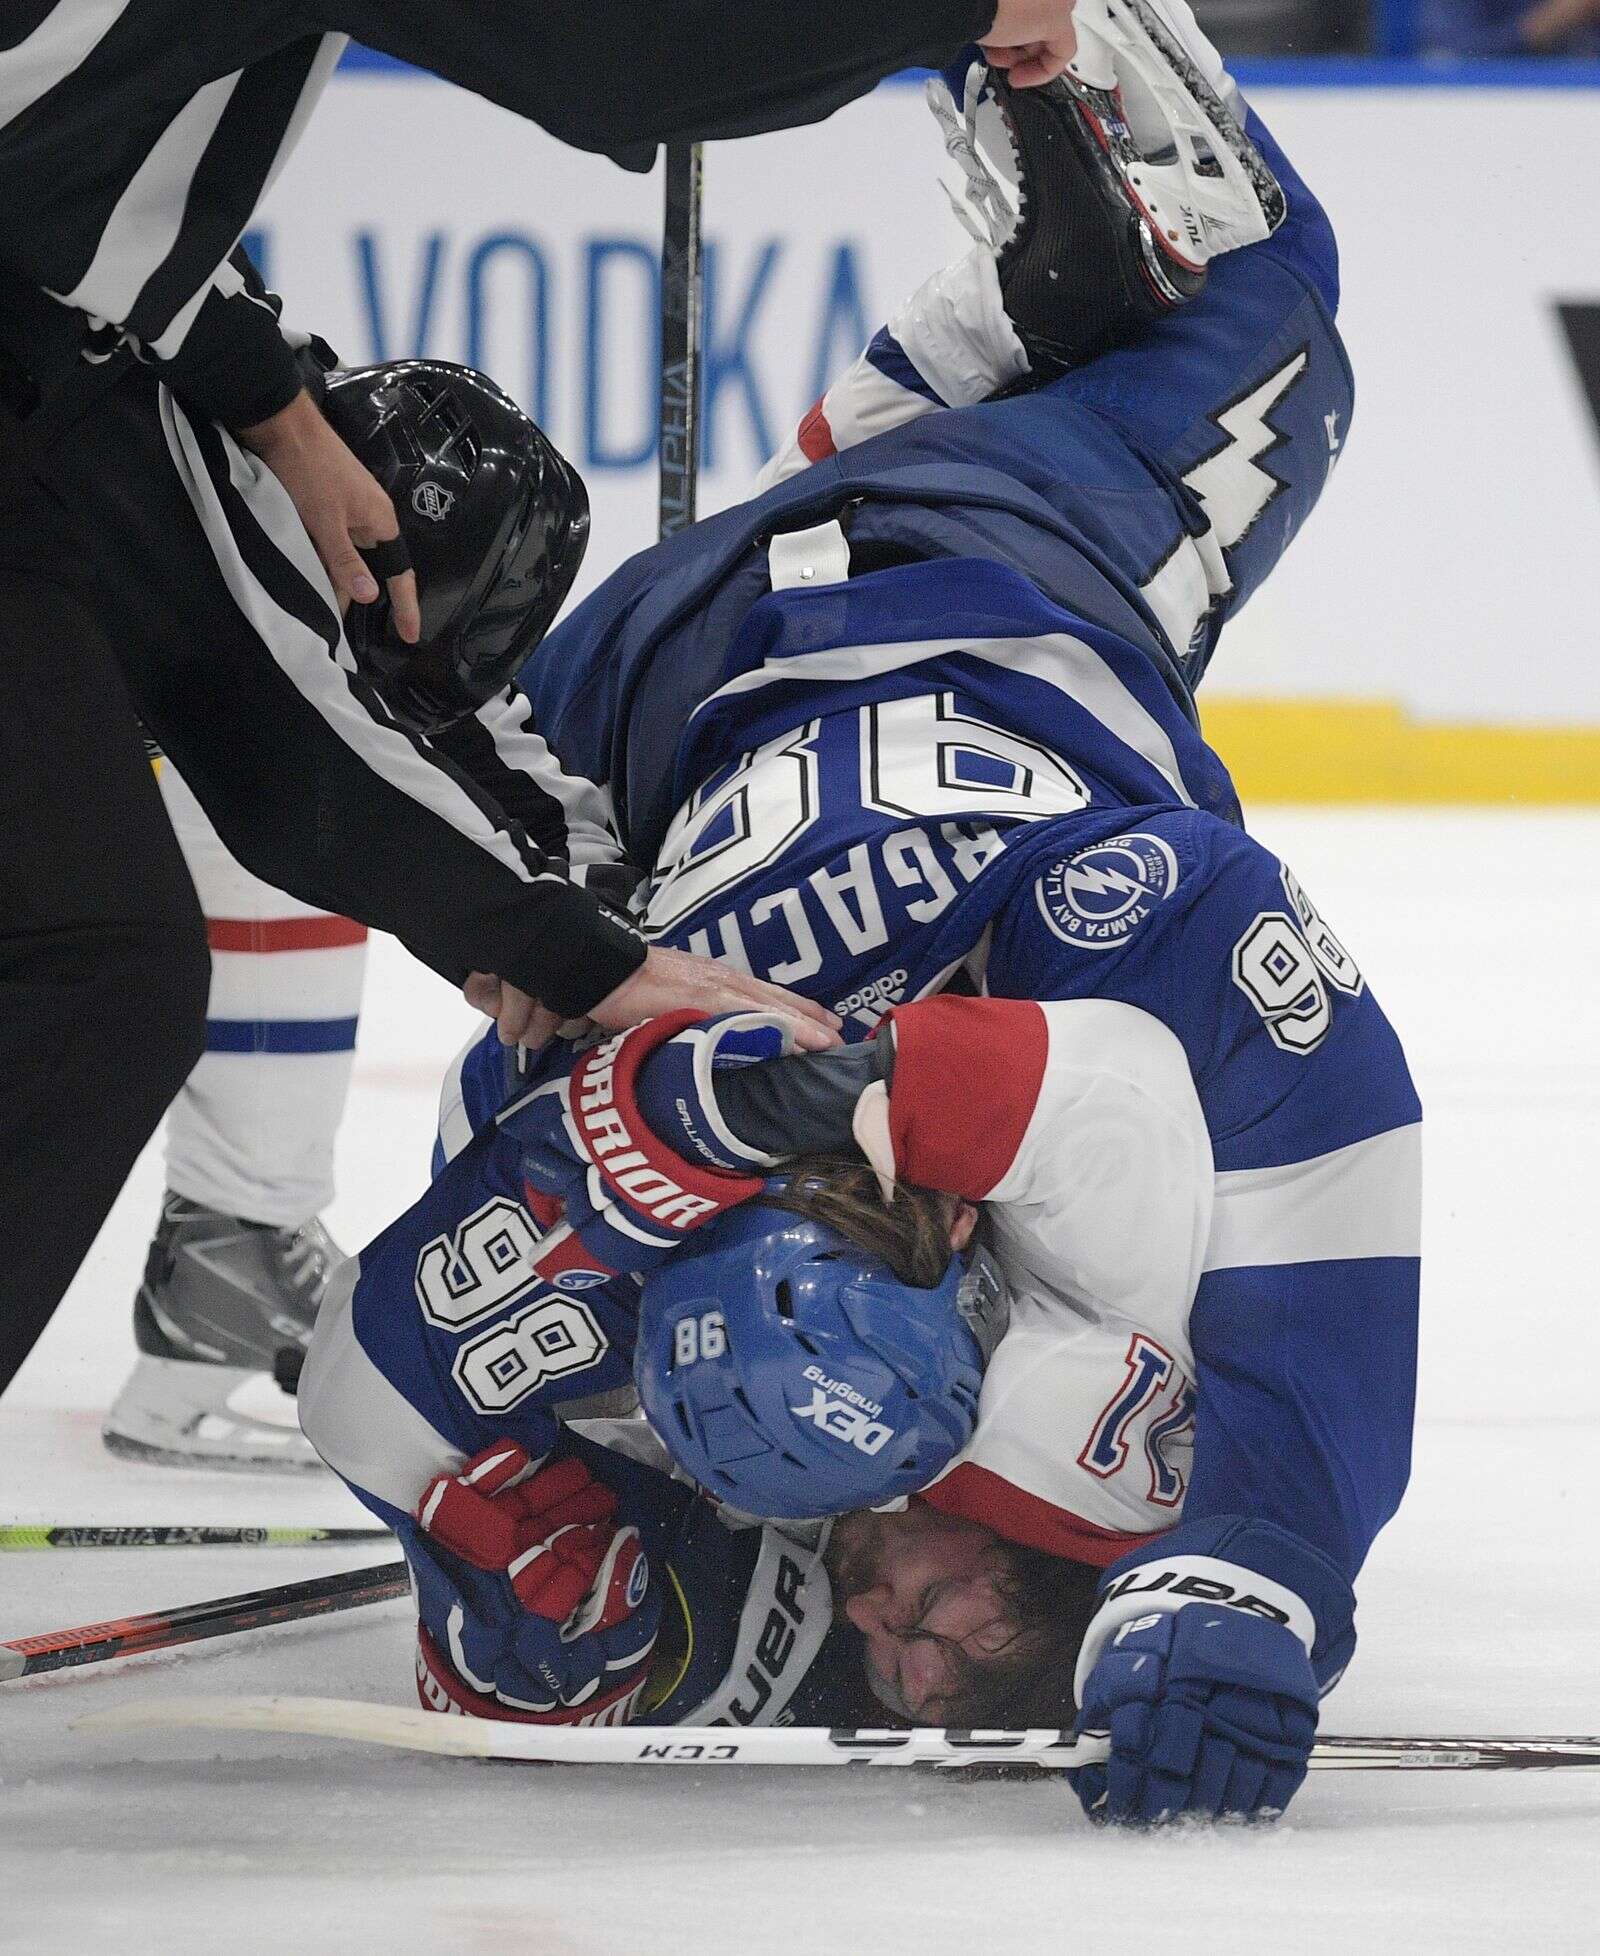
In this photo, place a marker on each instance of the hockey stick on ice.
(93, 1643)
(92, 1535)
(795, 1745)
(682, 304)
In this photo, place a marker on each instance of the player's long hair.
(911, 1234)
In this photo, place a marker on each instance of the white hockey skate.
(1171, 117)
(221, 1300)
(1105, 194)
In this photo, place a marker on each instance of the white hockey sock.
(955, 331)
(252, 1131)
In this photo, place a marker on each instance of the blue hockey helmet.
(793, 1374)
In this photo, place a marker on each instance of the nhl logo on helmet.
(1098, 898)
(429, 500)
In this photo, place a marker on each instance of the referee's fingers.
(404, 607)
(346, 568)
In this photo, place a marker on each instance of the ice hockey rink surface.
(1480, 1606)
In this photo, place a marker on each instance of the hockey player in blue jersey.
(922, 715)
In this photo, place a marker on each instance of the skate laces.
(307, 1254)
(990, 203)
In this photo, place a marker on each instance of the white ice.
(1480, 1607)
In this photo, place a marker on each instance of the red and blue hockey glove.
(534, 1603)
(619, 1193)
(1206, 1673)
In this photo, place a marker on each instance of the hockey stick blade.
(222, 1616)
(21, 1537)
(794, 1745)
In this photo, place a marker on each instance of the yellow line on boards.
(1341, 750)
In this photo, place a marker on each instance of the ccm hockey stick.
(682, 305)
(795, 1745)
(90, 1535)
(93, 1643)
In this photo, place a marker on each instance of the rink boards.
(1447, 581)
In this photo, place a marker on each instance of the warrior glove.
(534, 1603)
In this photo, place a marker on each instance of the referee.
(180, 530)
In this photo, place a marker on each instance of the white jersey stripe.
(1361, 1201)
(1059, 660)
(587, 808)
(226, 280)
(62, 41)
(321, 676)
(364, 1427)
(455, 1126)
(149, 215)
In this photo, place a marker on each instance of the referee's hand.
(339, 502)
(667, 981)
(1033, 40)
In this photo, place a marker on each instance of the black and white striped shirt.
(137, 136)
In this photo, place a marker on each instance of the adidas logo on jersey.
(874, 999)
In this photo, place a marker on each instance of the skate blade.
(175, 1413)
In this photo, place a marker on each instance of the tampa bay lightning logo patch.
(1098, 898)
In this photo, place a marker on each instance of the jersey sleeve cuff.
(580, 952)
(1235, 1562)
(234, 366)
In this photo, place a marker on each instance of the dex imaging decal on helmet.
(1098, 898)
(849, 1417)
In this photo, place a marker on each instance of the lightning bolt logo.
(1087, 879)
(1230, 482)
(1099, 897)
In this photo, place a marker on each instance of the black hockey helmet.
(494, 518)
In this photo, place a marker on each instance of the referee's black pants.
(103, 959)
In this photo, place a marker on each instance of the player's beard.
(854, 1556)
(854, 1559)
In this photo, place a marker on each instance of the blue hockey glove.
(620, 1195)
(533, 1602)
(1209, 1711)
(1204, 1664)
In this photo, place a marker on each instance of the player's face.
(921, 1587)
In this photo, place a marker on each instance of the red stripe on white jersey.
(815, 436)
(978, 1495)
(967, 1073)
(266, 934)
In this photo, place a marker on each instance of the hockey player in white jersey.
(240, 1259)
(922, 715)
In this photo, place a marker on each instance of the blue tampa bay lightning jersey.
(876, 749)
(928, 773)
